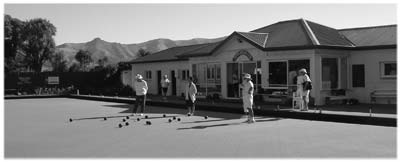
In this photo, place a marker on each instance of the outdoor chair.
(296, 100)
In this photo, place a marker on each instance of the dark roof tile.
(372, 36)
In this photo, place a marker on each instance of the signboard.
(53, 80)
(24, 80)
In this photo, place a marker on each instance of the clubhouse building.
(355, 63)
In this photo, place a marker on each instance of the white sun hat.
(247, 76)
(138, 76)
(303, 70)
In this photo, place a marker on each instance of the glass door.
(233, 80)
(250, 68)
(234, 77)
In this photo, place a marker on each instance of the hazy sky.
(135, 23)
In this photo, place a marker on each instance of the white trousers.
(247, 102)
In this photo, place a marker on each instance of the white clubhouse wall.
(373, 81)
(166, 68)
(225, 54)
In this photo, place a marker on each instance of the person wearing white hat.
(247, 87)
(303, 88)
(141, 90)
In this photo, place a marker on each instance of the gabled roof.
(372, 36)
(204, 50)
(287, 35)
(170, 54)
(301, 32)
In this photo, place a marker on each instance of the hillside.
(116, 52)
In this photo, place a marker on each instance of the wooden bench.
(383, 94)
(337, 95)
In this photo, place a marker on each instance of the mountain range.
(117, 52)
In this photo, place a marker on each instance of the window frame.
(382, 70)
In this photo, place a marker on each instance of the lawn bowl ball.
(206, 117)
(126, 123)
(123, 120)
(120, 125)
(164, 115)
(146, 116)
(70, 120)
(174, 118)
(127, 117)
(138, 119)
(179, 119)
(189, 114)
(105, 118)
(169, 120)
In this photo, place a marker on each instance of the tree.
(141, 52)
(58, 63)
(12, 42)
(103, 61)
(74, 68)
(84, 58)
(38, 42)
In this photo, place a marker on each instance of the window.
(358, 75)
(284, 73)
(207, 78)
(277, 74)
(388, 69)
(330, 74)
(185, 74)
(148, 75)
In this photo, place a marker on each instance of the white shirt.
(165, 83)
(141, 88)
(301, 79)
(246, 87)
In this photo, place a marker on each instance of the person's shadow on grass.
(229, 124)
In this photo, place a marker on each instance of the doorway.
(159, 82)
(173, 82)
(234, 77)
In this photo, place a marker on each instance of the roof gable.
(327, 36)
(285, 33)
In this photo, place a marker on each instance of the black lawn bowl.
(127, 117)
(126, 123)
(148, 123)
(123, 120)
(174, 118)
(205, 117)
(120, 125)
(189, 114)
(169, 120)
(138, 119)
(70, 120)
(105, 118)
(146, 117)
(164, 115)
(179, 119)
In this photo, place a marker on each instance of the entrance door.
(159, 82)
(234, 76)
(173, 82)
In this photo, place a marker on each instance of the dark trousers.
(191, 105)
(140, 100)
